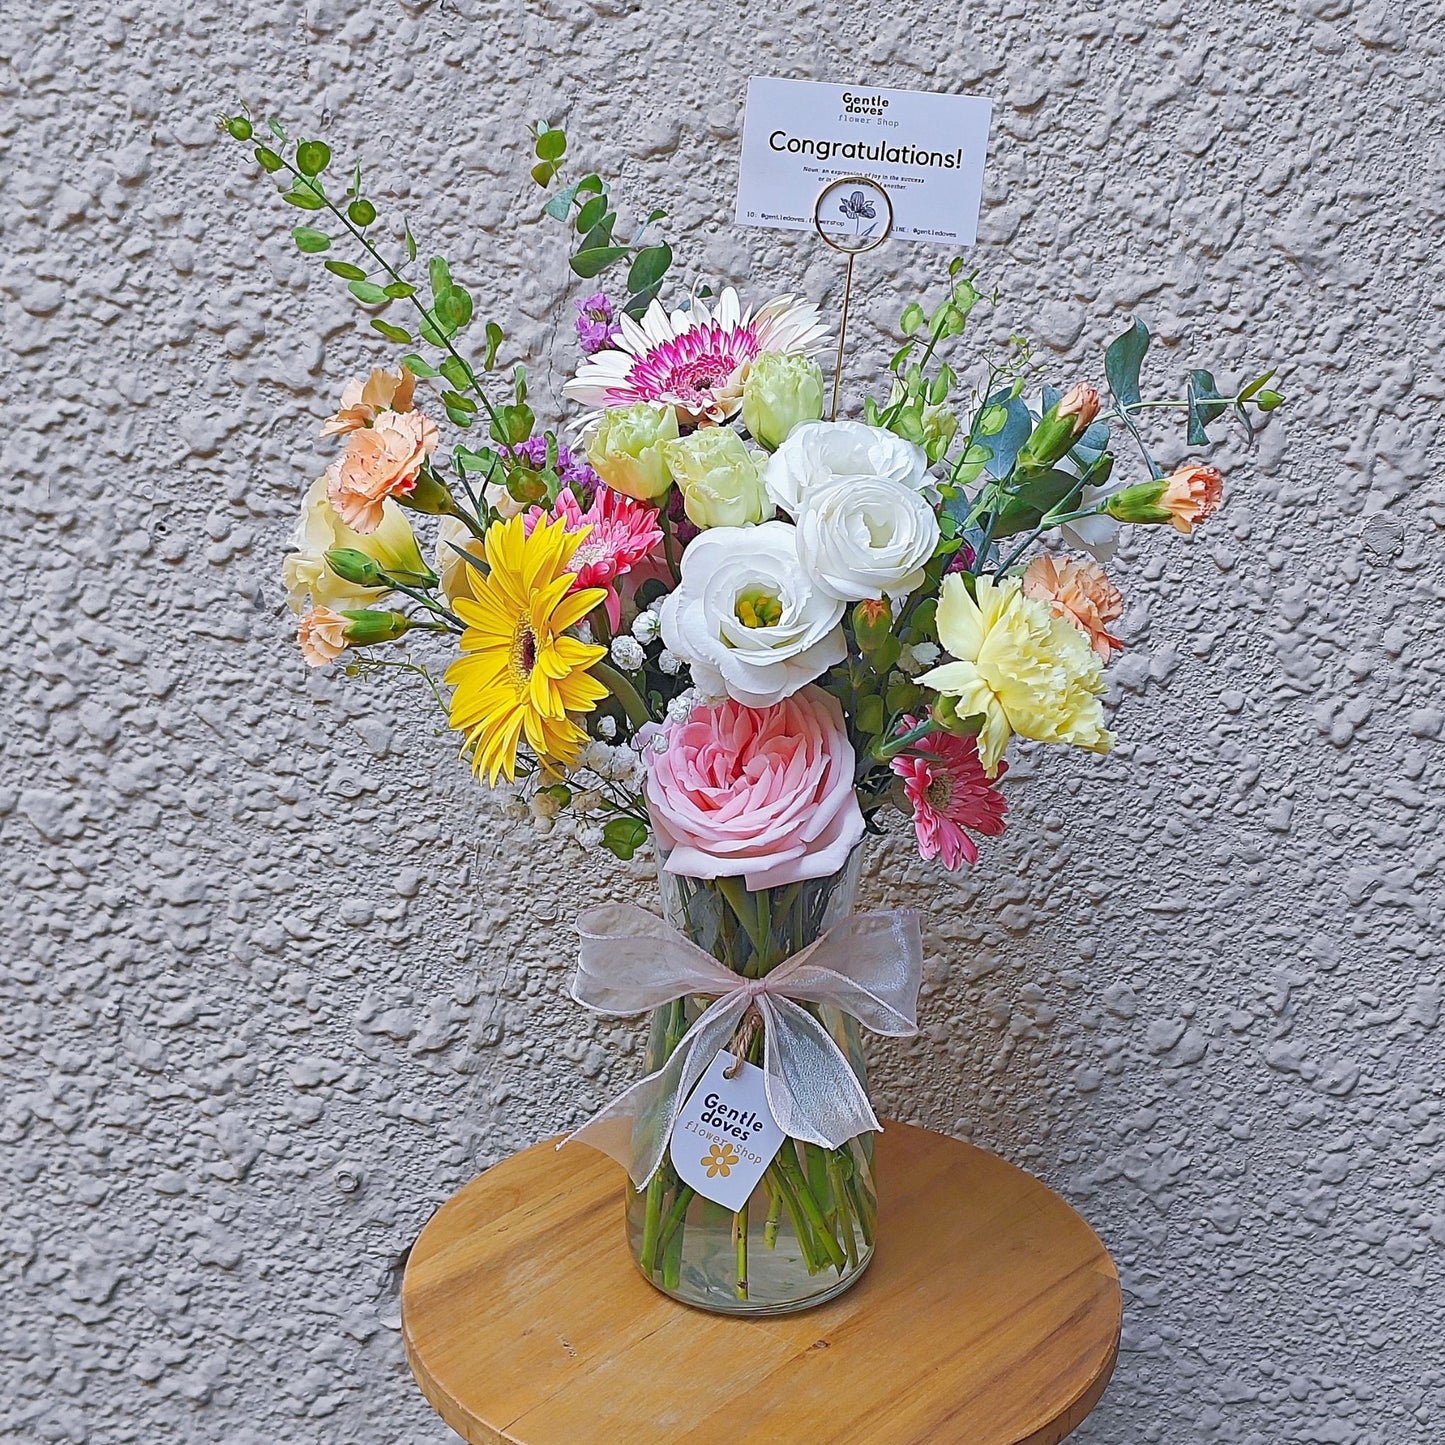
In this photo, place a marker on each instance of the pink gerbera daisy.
(694, 360)
(621, 533)
(950, 792)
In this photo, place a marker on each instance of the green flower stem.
(672, 1261)
(807, 1245)
(1051, 519)
(624, 692)
(775, 1213)
(740, 1245)
(864, 1210)
(451, 622)
(675, 1215)
(357, 234)
(652, 1220)
(787, 1163)
(841, 1207)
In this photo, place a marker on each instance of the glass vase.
(806, 1232)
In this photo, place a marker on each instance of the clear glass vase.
(806, 1232)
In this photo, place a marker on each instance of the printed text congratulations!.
(860, 150)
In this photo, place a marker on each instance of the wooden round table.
(989, 1316)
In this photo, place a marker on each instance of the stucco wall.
(277, 978)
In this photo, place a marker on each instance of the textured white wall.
(277, 979)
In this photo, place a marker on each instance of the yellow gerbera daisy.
(519, 673)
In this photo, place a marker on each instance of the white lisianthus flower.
(1097, 535)
(862, 537)
(392, 546)
(819, 451)
(748, 618)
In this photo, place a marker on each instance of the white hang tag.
(726, 1136)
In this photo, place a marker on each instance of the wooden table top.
(989, 1316)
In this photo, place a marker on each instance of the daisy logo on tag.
(726, 1136)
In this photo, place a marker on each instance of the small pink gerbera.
(621, 533)
(950, 792)
(694, 360)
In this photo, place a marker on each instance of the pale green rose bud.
(722, 486)
(626, 449)
(780, 392)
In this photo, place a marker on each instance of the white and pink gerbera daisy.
(621, 533)
(694, 360)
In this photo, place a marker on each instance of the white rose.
(748, 618)
(819, 451)
(866, 537)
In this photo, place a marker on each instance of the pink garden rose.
(761, 793)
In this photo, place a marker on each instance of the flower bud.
(1268, 400)
(355, 567)
(872, 623)
(1060, 427)
(626, 450)
(780, 392)
(369, 626)
(721, 483)
(430, 495)
(1189, 495)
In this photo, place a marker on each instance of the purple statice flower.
(596, 323)
(572, 470)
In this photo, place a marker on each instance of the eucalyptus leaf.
(419, 367)
(648, 268)
(312, 157)
(495, 337)
(310, 241)
(1123, 358)
(345, 270)
(1205, 406)
(454, 307)
(368, 293)
(551, 145)
(588, 263)
(1005, 444)
(590, 214)
(399, 334)
(361, 212)
(622, 837)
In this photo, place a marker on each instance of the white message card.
(927, 152)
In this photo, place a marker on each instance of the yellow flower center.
(756, 608)
(524, 652)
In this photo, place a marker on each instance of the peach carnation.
(322, 635)
(1081, 593)
(1191, 495)
(381, 461)
(363, 401)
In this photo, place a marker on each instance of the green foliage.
(587, 204)
(399, 334)
(368, 293)
(1123, 358)
(361, 212)
(1205, 405)
(345, 270)
(270, 161)
(310, 241)
(312, 157)
(622, 837)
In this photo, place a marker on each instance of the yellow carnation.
(1020, 667)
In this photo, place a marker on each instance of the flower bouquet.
(699, 616)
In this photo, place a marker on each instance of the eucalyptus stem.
(453, 623)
